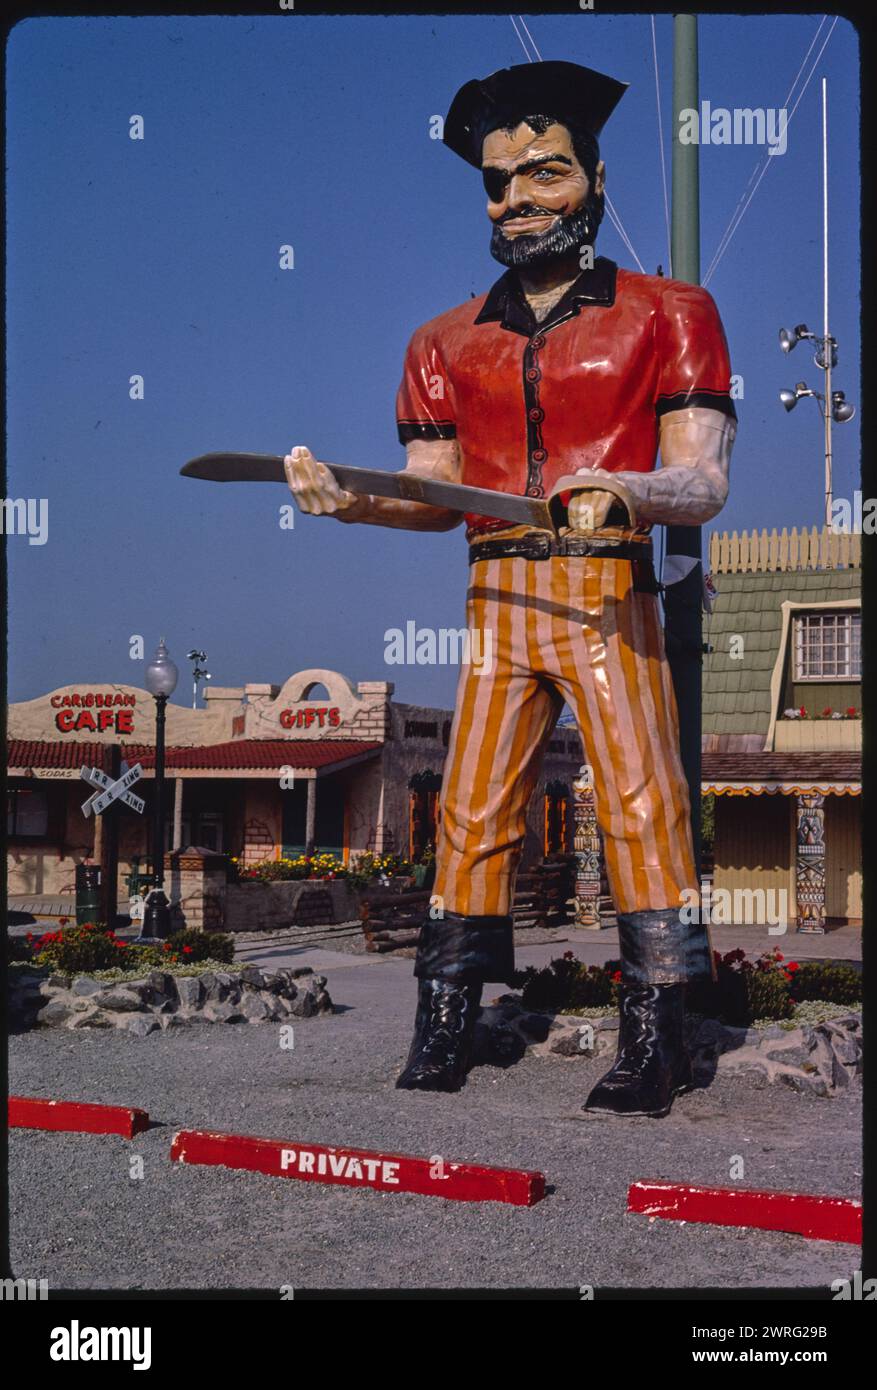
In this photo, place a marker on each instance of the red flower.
(62, 921)
(803, 713)
(851, 712)
(617, 977)
(779, 955)
(826, 712)
(187, 950)
(792, 965)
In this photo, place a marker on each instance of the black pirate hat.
(574, 94)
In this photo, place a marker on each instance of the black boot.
(455, 956)
(652, 1064)
(443, 1031)
(661, 949)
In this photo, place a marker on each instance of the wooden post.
(810, 863)
(311, 815)
(178, 814)
(587, 850)
(109, 840)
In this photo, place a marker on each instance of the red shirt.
(585, 388)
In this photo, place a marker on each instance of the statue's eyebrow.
(525, 168)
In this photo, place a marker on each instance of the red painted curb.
(800, 1213)
(430, 1177)
(75, 1116)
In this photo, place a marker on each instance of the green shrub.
(194, 946)
(826, 980)
(18, 950)
(744, 990)
(567, 983)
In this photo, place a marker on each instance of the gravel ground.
(79, 1219)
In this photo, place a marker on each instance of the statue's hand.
(589, 509)
(314, 487)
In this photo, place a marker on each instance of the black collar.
(506, 304)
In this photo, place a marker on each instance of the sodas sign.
(95, 712)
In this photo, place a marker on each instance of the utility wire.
(729, 229)
(530, 37)
(521, 38)
(613, 215)
(768, 159)
(661, 148)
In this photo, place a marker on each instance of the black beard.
(568, 234)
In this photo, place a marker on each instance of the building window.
(27, 813)
(828, 646)
(203, 829)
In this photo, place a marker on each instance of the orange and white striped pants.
(573, 629)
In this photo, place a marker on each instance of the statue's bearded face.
(539, 198)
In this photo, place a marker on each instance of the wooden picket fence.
(733, 553)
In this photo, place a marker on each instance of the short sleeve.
(423, 401)
(695, 369)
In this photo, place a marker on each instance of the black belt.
(542, 547)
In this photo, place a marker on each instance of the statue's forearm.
(691, 487)
(428, 459)
(677, 496)
(398, 514)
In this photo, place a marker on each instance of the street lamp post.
(161, 682)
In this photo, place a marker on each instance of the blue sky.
(160, 257)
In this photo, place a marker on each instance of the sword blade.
(408, 487)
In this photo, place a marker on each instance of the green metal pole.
(683, 600)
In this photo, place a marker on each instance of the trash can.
(87, 893)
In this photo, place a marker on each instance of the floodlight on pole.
(833, 406)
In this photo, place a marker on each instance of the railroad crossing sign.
(110, 791)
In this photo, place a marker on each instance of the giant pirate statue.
(559, 370)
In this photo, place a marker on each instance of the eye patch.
(495, 183)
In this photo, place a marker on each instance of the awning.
(241, 758)
(782, 774)
(780, 788)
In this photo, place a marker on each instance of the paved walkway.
(592, 947)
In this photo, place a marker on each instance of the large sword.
(546, 513)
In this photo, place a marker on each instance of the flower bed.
(745, 991)
(363, 869)
(801, 712)
(94, 946)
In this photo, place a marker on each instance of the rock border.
(819, 1059)
(160, 1000)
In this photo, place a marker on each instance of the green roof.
(736, 692)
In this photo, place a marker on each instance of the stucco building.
(260, 772)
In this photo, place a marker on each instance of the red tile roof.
(255, 753)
